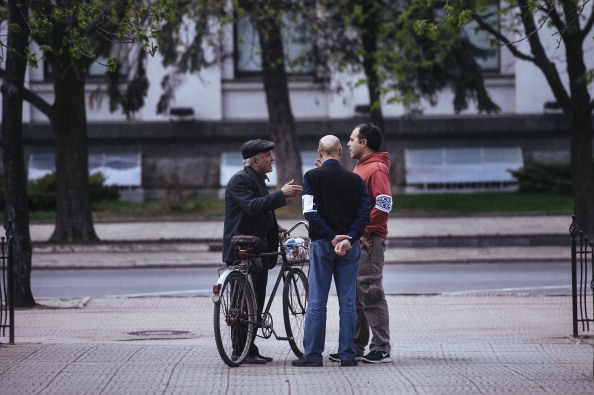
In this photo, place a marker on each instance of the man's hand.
(342, 247)
(318, 162)
(291, 190)
(338, 238)
(366, 242)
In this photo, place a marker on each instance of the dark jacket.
(335, 202)
(249, 210)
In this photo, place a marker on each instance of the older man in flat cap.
(249, 210)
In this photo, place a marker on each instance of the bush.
(102, 193)
(544, 177)
(42, 191)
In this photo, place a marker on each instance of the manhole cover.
(158, 333)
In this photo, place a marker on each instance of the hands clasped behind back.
(341, 244)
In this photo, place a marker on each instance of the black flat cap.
(253, 147)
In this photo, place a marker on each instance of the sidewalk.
(476, 239)
(441, 344)
(474, 344)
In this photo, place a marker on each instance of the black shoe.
(254, 360)
(351, 362)
(267, 359)
(306, 363)
(377, 357)
(336, 358)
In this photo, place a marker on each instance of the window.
(97, 70)
(481, 39)
(297, 44)
(461, 169)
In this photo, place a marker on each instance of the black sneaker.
(351, 362)
(377, 357)
(302, 362)
(336, 358)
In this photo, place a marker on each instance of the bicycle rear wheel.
(295, 293)
(234, 319)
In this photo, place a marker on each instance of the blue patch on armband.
(383, 203)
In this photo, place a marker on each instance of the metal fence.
(7, 285)
(582, 280)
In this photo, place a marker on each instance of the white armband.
(383, 203)
(307, 204)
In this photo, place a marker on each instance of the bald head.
(330, 146)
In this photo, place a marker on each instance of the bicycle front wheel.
(295, 293)
(234, 319)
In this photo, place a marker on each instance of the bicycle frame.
(294, 254)
(244, 267)
(281, 275)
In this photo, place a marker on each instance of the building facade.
(191, 150)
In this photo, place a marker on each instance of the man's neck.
(325, 158)
(366, 154)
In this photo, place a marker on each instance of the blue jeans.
(324, 263)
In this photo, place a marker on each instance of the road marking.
(510, 289)
(164, 293)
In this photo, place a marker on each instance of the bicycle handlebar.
(304, 223)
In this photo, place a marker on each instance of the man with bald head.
(337, 206)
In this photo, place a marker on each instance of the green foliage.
(42, 191)
(410, 205)
(378, 38)
(544, 177)
(99, 192)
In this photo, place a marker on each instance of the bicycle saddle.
(245, 240)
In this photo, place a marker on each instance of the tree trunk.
(74, 222)
(15, 176)
(582, 172)
(580, 116)
(369, 36)
(280, 117)
(576, 106)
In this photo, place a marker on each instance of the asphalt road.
(529, 278)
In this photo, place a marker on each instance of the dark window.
(482, 39)
(297, 44)
(97, 70)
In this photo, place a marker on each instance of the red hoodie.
(374, 169)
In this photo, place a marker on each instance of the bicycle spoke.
(294, 306)
(234, 319)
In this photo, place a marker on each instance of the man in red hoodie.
(372, 308)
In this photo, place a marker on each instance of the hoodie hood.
(382, 157)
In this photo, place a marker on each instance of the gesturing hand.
(291, 190)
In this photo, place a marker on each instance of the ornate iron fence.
(7, 285)
(582, 279)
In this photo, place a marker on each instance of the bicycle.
(235, 310)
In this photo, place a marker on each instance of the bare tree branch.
(589, 24)
(540, 56)
(501, 38)
(33, 98)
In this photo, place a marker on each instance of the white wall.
(216, 95)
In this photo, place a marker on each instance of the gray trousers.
(372, 309)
